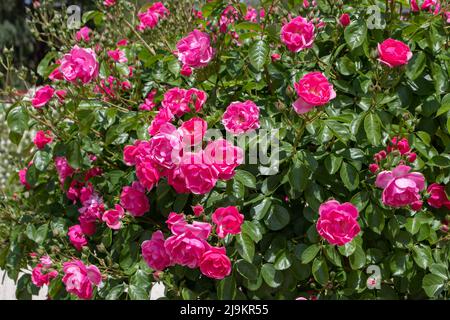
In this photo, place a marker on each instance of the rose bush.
(126, 187)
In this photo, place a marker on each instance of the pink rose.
(23, 178)
(40, 276)
(80, 64)
(224, 157)
(165, 148)
(228, 221)
(275, 57)
(193, 131)
(178, 100)
(215, 263)
(178, 225)
(154, 252)
(122, 43)
(109, 3)
(228, 16)
(150, 17)
(147, 175)
(118, 56)
(344, 20)
(186, 249)
(252, 14)
(241, 117)
(41, 139)
(338, 222)
(198, 210)
(433, 6)
(136, 153)
(414, 6)
(90, 212)
(42, 96)
(163, 117)
(401, 188)
(177, 181)
(83, 34)
(186, 71)
(373, 167)
(394, 53)
(195, 50)
(200, 177)
(438, 197)
(77, 237)
(313, 90)
(56, 75)
(447, 16)
(298, 34)
(63, 168)
(149, 102)
(412, 157)
(134, 199)
(79, 278)
(113, 217)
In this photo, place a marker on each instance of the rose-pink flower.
(178, 225)
(117, 55)
(79, 279)
(225, 157)
(150, 17)
(228, 221)
(198, 210)
(41, 276)
(200, 176)
(176, 180)
(344, 20)
(80, 64)
(77, 237)
(228, 16)
(147, 175)
(394, 53)
(154, 252)
(298, 34)
(193, 131)
(163, 117)
(338, 222)
(215, 263)
(83, 34)
(42, 138)
(134, 199)
(195, 50)
(42, 96)
(165, 148)
(109, 3)
(401, 187)
(63, 168)
(186, 249)
(438, 197)
(241, 117)
(313, 90)
(113, 217)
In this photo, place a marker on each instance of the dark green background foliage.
(324, 155)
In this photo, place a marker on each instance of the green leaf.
(440, 161)
(332, 255)
(246, 178)
(74, 156)
(432, 284)
(440, 78)
(355, 34)
(416, 65)
(246, 25)
(349, 176)
(440, 270)
(347, 249)
(283, 261)
(37, 235)
(372, 126)
(422, 256)
(247, 270)
(138, 293)
(445, 105)
(259, 211)
(310, 253)
(42, 159)
(45, 68)
(278, 218)
(226, 289)
(253, 230)
(298, 177)
(320, 271)
(245, 247)
(271, 276)
(333, 163)
(258, 54)
(115, 292)
(17, 120)
(357, 259)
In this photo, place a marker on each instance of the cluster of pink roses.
(43, 273)
(313, 90)
(188, 246)
(150, 17)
